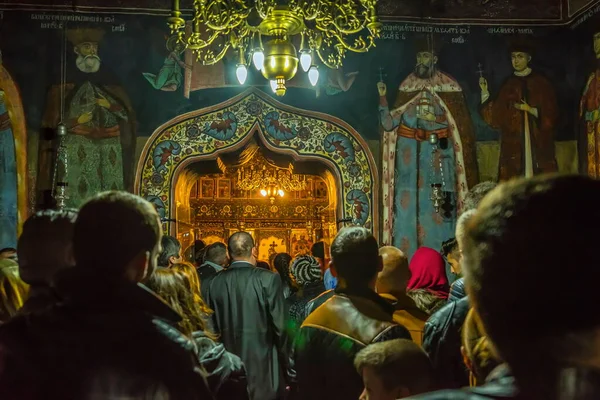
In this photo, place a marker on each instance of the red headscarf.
(428, 271)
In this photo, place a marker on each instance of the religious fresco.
(589, 115)
(99, 118)
(309, 136)
(143, 81)
(13, 158)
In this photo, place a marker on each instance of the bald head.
(240, 246)
(395, 274)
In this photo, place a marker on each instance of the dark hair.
(263, 265)
(8, 250)
(240, 245)
(507, 246)
(398, 363)
(45, 246)
(448, 247)
(112, 228)
(170, 248)
(476, 194)
(281, 263)
(355, 255)
(199, 245)
(216, 253)
(318, 250)
(199, 251)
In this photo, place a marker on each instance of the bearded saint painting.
(428, 102)
(100, 122)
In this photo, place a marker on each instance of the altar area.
(289, 177)
(260, 192)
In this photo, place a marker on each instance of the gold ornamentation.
(328, 29)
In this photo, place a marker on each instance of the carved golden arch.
(226, 127)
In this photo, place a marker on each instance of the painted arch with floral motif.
(226, 127)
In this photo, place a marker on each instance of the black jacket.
(330, 338)
(442, 342)
(457, 290)
(226, 374)
(318, 302)
(106, 339)
(249, 315)
(499, 385)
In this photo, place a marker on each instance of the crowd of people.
(97, 303)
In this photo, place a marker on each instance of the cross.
(381, 74)
(480, 70)
(273, 245)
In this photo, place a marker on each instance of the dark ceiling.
(471, 11)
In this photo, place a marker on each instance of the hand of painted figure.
(427, 116)
(483, 84)
(85, 118)
(102, 102)
(523, 106)
(381, 88)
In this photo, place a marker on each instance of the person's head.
(85, 45)
(478, 353)
(217, 253)
(520, 60)
(306, 270)
(509, 266)
(426, 62)
(241, 247)
(597, 44)
(189, 255)
(171, 252)
(394, 369)
(199, 251)
(428, 271)
(174, 288)
(451, 254)
(355, 258)
(189, 271)
(318, 251)
(281, 263)
(263, 264)
(476, 194)
(454, 254)
(13, 291)
(46, 245)
(395, 274)
(117, 234)
(8, 253)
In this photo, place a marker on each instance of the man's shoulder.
(455, 395)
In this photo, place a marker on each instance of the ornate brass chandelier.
(328, 29)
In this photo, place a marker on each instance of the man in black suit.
(249, 315)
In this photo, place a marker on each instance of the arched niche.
(304, 135)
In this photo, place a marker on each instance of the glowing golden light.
(328, 30)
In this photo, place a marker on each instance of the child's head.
(394, 369)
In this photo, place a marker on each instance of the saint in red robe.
(514, 125)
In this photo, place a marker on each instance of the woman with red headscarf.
(428, 285)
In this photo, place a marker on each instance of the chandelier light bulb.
(313, 75)
(305, 60)
(280, 193)
(263, 192)
(258, 58)
(241, 73)
(273, 84)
